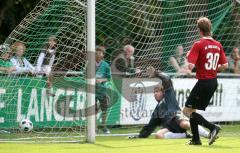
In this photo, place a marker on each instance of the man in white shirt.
(45, 61)
(47, 57)
(20, 64)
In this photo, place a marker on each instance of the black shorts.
(173, 125)
(201, 94)
(102, 102)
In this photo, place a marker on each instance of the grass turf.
(227, 143)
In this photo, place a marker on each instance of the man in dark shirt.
(167, 106)
(167, 112)
(124, 64)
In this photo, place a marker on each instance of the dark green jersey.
(102, 72)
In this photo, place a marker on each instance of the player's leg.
(205, 92)
(208, 89)
(161, 133)
(171, 135)
(174, 129)
(185, 124)
(199, 99)
(194, 126)
(203, 132)
(104, 103)
(214, 129)
(96, 112)
(49, 81)
(49, 84)
(189, 109)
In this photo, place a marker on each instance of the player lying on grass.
(177, 127)
(166, 113)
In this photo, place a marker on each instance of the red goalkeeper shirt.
(206, 54)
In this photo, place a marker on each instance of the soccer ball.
(25, 125)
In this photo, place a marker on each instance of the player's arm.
(4, 69)
(192, 56)
(191, 66)
(222, 67)
(148, 129)
(166, 80)
(223, 64)
(52, 61)
(174, 63)
(29, 66)
(40, 61)
(153, 123)
(16, 66)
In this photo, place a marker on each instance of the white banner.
(138, 101)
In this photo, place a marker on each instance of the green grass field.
(227, 143)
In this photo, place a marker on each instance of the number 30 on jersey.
(212, 61)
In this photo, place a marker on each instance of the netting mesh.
(65, 20)
(155, 28)
(59, 116)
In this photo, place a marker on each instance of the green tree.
(11, 14)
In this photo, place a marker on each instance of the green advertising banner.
(27, 97)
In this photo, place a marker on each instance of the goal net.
(57, 112)
(155, 28)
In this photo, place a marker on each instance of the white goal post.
(91, 70)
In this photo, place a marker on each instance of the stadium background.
(131, 25)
